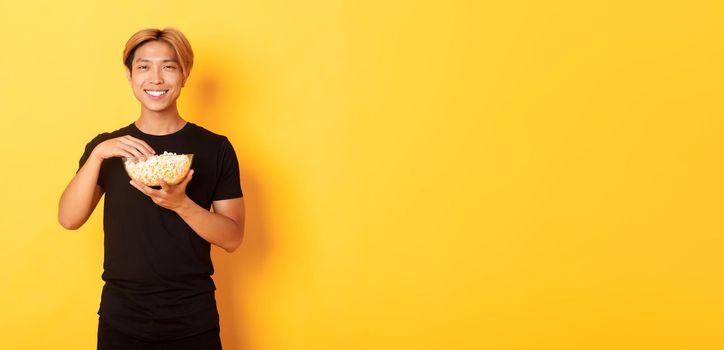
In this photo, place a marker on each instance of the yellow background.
(418, 174)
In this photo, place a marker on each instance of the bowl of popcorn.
(168, 166)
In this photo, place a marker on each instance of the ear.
(128, 75)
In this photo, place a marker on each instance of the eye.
(170, 67)
(142, 67)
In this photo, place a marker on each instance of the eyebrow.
(147, 60)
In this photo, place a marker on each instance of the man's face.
(155, 76)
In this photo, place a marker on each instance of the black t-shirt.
(157, 270)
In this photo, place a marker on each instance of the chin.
(156, 109)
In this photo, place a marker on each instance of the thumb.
(188, 178)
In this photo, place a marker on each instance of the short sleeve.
(228, 183)
(89, 147)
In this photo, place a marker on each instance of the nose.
(156, 77)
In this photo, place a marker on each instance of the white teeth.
(156, 93)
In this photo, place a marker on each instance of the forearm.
(79, 198)
(215, 228)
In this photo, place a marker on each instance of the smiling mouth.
(156, 93)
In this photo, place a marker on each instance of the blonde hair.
(171, 36)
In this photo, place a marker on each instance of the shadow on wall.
(217, 101)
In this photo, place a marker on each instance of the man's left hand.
(169, 196)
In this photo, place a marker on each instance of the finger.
(164, 185)
(142, 143)
(145, 189)
(137, 154)
(188, 178)
(134, 184)
(129, 149)
(140, 146)
(135, 146)
(125, 153)
(185, 181)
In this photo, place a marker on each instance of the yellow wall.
(418, 174)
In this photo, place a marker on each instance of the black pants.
(111, 339)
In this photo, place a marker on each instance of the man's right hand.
(125, 146)
(83, 192)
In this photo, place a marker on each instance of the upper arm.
(232, 208)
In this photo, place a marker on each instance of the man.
(158, 290)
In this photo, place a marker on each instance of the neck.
(160, 122)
